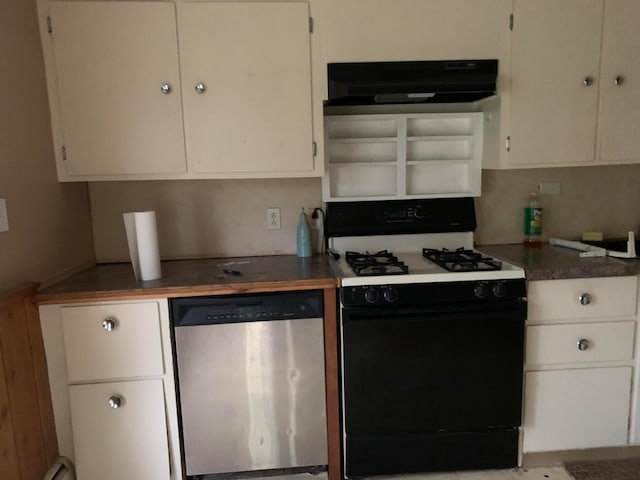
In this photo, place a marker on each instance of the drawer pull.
(585, 299)
(116, 401)
(110, 323)
(583, 344)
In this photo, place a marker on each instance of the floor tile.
(540, 473)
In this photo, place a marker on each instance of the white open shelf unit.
(394, 156)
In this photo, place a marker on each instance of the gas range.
(420, 335)
(403, 259)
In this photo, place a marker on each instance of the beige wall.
(49, 222)
(603, 199)
(228, 217)
(203, 218)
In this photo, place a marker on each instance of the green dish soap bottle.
(533, 221)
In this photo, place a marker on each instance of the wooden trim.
(24, 389)
(185, 291)
(331, 380)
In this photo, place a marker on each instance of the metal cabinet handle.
(116, 401)
(583, 344)
(619, 80)
(588, 81)
(585, 299)
(110, 323)
(200, 87)
(165, 88)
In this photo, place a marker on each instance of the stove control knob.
(419, 212)
(499, 290)
(481, 290)
(371, 295)
(390, 294)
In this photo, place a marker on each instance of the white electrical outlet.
(4, 220)
(273, 219)
(549, 188)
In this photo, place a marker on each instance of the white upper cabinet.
(554, 81)
(164, 90)
(575, 94)
(619, 120)
(384, 30)
(246, 74)
(112, 60)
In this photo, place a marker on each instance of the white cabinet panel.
(555, 48)
(111, 59)
(254, 58)
(383, 30)
(579, 342)
(620, 82)
(132, 348)
(610, 297)
(571, 409)
(124, 443)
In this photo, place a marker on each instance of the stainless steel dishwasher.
(251, 383)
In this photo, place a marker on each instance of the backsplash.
(205, 218)
(604, 198)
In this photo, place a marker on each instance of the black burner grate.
(461, 260)
(379, 263)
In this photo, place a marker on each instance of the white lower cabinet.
(112, 388)
(572, 409)
(579, 363)
(119, 430)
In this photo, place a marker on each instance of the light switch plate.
(4, 220)
(549, 188)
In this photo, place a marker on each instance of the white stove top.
(408, 249)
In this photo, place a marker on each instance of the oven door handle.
(517, 312)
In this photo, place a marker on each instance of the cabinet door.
(125, 442)
(111, 59)
(555, 49)
(570, 409)
(253, 60)
(620, 82)
(383, 30)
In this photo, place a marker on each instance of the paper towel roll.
(142, 237)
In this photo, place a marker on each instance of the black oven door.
(442, 379)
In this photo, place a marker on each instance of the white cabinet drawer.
(127, 442)
(580, 342)
(550, 300)
(131, 348)
(570, 409)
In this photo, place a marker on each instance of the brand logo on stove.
(408, 214)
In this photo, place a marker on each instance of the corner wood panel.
(331, 379)
(28, 443)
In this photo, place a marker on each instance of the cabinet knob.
(200, 87)
(110, 323)
(583, 344)
(619, 80)
(165, 88)
(116, 401)
(585, 299)
(588, 81)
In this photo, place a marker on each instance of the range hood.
(438, 81)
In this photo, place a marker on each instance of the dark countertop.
(549, 262)
(194, 277)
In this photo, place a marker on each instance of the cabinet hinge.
(64, 153)
(310, 24)
(49, 25)
(508, 144)
(314, 148)
(511, 22)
